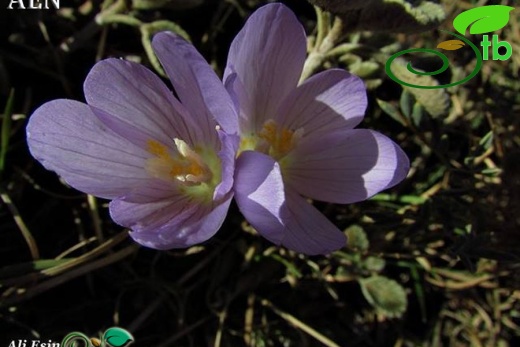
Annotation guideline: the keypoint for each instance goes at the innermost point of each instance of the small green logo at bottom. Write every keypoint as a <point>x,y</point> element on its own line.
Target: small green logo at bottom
<point>113,337</point>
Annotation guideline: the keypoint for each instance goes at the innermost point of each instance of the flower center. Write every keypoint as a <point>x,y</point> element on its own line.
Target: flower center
<point>272,139</point>
<point>196,171</point>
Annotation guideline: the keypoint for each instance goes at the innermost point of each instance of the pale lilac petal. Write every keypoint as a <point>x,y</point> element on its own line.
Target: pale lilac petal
<point>280,214</point>
<point>259,193</point>
<point>66,137</point>
<point>307,230</point>
<point>268,56</point>
<point>198,87</point>
<point>169,224</point>
<point>134,95</point>
<point>151,216</point>
<point>227,154</point>
<point>331,100</point>
<point>155,189</point>
<point>138,136</point>
<point>241,99</point>
<point>345,167</point>
<point>231,89</point>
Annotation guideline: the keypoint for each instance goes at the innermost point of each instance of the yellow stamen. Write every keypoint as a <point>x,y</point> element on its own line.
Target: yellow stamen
<point>156,148</point>
<point>277,141</point>
<point>185,166</point>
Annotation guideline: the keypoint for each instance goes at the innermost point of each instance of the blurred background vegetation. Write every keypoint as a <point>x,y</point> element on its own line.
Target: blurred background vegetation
<point>432,262</point>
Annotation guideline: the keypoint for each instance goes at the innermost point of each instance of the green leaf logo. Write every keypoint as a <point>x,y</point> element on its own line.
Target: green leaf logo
<point>72,339</point>
<point>482,19</point>
<point>117,337</point>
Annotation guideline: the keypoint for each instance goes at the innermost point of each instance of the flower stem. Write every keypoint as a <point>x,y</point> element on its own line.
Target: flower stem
<point>29,239</point>
<point>324,43</point>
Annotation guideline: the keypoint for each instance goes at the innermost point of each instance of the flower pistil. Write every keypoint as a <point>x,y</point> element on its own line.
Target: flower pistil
<point>272,139</point>
<point>197,170</point>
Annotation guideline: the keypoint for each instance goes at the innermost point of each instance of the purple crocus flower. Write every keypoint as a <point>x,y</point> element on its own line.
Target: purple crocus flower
<point>164,162</point>
<point>298,141</point>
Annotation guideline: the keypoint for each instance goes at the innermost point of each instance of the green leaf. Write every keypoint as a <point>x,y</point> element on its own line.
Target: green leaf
<point>165,4</point>
<point>373,83</point>
<point>357,238</point>
<point>435,101</point>
<point>406,103</point>
<point>117,337</point>
<point>374,264</point>
<point>492,172</point>
<point>385,15</point>
<point>291,268</point>
<point>363,69</point>
<point>483,19</point>
<point>392,111</point>
<point>36,265</point>
<point>487,140</point>
<point>403,199</point>
<point>385,295</point>
<point>417,114</point>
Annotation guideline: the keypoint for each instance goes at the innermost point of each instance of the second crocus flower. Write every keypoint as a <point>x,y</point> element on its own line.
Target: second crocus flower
<point>299,141</point>
<point>167,164</point>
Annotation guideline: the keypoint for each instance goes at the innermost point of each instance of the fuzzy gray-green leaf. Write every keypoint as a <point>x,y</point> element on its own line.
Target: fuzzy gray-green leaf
<point>406,103</point>
<point>385,15</point>
<point>392,111</point>
<point>363,69</point>
<point>374,264</point>
<point>417,114</point>
<point>357,238</point>
<point>435,101</point>
<point>386,295</point>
